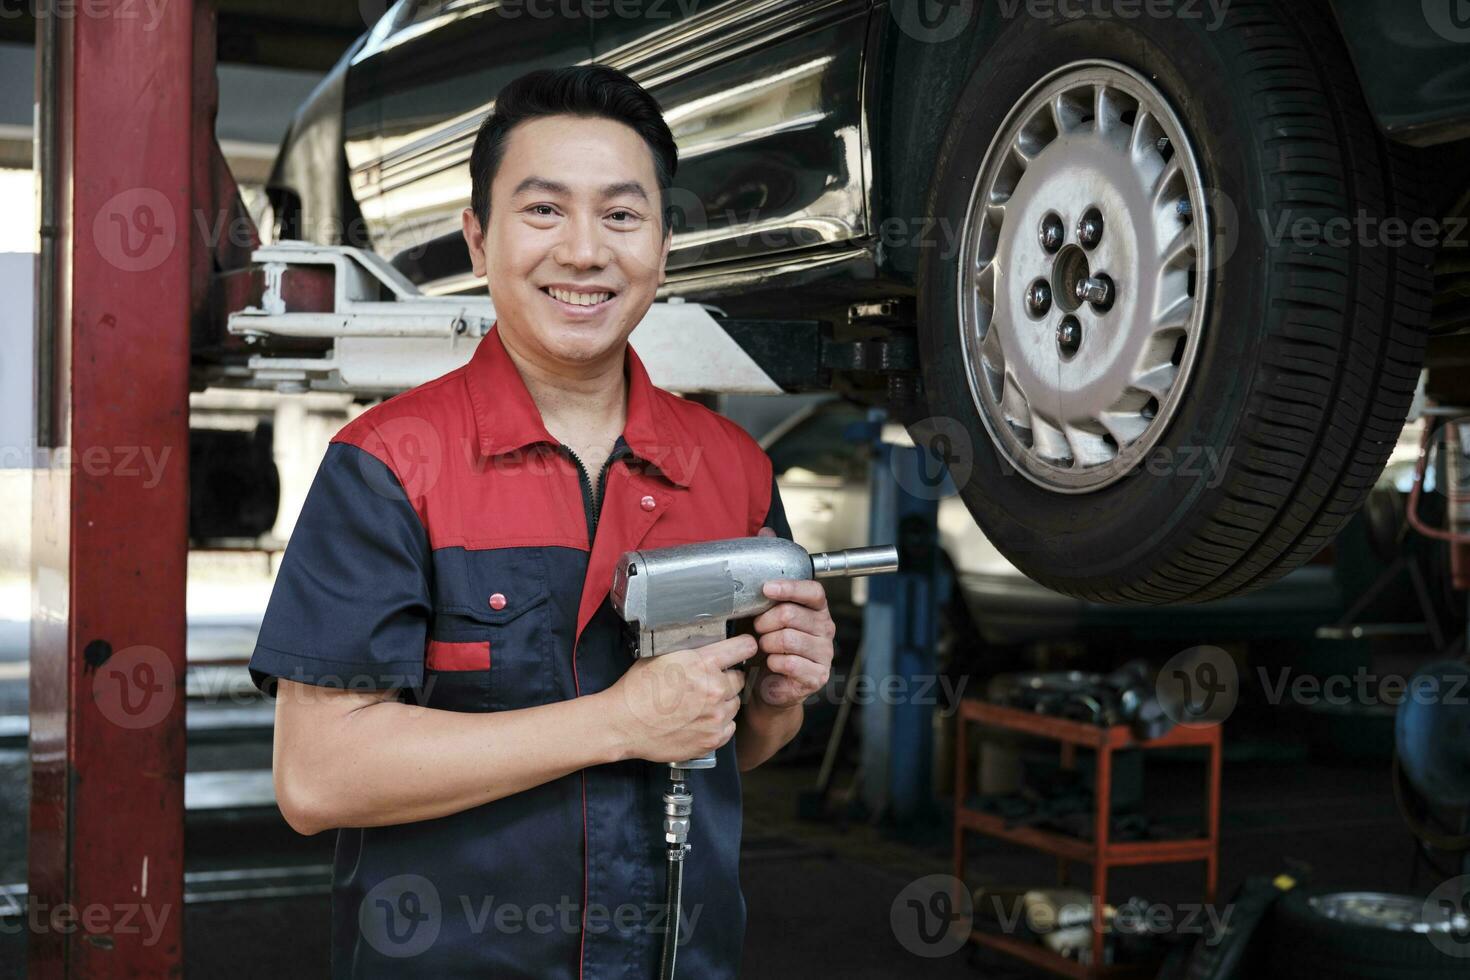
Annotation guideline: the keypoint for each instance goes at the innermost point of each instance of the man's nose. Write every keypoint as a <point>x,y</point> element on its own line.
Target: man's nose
<point>583,245</point>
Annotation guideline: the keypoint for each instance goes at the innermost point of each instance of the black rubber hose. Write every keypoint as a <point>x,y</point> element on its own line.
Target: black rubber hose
<point>675,895</point>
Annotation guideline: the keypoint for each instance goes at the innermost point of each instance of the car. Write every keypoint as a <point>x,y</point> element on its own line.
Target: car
<point>1157,281</point>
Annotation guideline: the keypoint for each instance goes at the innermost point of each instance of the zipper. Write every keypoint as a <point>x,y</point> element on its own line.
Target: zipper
<point>592,502</point>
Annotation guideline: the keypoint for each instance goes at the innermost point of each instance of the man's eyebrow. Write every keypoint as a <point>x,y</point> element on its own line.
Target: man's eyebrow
<point>557,187</point>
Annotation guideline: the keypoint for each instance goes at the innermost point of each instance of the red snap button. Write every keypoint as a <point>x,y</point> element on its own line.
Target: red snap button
<point>648,503</point>
<point>497,601</point>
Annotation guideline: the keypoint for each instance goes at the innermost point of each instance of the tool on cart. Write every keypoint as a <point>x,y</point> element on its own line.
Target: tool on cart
<point>685,596</point>
<point>1127,696</point>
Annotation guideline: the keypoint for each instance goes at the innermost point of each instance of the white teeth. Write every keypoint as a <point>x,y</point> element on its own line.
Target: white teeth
<point>578,299</point>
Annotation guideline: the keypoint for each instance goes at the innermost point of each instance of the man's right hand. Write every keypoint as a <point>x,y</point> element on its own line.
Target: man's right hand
<point>681,705</point>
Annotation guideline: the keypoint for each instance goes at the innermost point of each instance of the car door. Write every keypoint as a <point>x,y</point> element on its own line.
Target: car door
<point>436,75</point>
<point>764,100</point>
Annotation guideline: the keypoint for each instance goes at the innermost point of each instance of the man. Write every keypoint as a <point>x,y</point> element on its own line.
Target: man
<point>454,692</point>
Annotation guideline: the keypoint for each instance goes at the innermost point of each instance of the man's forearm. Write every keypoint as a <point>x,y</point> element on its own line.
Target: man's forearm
<point>386,762</point>
<point>761,730</point>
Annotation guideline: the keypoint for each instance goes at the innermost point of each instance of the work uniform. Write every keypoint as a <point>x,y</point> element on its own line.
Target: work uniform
<point>452,548</point>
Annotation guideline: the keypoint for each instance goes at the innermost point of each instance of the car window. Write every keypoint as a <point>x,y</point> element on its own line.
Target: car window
<point>816,443</point>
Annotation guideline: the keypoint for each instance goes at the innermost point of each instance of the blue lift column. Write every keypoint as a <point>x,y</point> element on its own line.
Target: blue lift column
<point>901,621</point>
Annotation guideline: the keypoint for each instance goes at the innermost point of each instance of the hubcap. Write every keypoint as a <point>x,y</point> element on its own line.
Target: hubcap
<point>1089,194</point>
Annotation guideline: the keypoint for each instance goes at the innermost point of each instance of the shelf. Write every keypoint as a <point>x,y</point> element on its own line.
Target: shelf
<point>1080,733</point>
<point>1100,852</point>
<point>1086,851</point>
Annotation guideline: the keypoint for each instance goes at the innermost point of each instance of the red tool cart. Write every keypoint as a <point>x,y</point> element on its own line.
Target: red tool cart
<point>1100,852</point>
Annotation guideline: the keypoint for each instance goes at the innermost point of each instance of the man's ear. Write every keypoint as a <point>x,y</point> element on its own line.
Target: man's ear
<point>474,239</point>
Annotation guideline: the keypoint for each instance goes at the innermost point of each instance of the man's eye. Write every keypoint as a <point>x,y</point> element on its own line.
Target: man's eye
<point>630,215</point>
<point>537,208</point>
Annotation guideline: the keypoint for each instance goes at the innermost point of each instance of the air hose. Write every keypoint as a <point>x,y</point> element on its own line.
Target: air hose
<point>678,802</point>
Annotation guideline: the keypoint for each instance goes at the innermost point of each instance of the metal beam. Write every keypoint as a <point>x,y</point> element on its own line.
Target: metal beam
<point>109,555</point>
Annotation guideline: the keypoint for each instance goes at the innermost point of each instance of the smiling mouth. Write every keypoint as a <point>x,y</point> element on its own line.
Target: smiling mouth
<point>582,307</point>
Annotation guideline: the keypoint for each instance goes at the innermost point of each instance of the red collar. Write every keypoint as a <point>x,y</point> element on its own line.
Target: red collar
<point>507,419</point>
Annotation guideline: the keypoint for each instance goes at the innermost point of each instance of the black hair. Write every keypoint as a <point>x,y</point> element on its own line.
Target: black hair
<point>578,90</point>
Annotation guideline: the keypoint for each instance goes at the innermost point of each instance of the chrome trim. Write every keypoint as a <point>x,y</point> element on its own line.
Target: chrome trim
<point>656,59</point>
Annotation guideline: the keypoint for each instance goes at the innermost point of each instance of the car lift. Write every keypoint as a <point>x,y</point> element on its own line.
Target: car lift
<point>135,281</point>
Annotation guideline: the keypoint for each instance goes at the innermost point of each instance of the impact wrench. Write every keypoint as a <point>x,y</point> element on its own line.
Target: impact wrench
<point>683,597</point>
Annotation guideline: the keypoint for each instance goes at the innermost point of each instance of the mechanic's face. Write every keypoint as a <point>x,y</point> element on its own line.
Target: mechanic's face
<point>573,205</point>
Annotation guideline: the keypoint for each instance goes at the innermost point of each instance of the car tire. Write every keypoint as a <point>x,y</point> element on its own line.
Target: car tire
<point>1305,944</point>
<point>1308,345</point>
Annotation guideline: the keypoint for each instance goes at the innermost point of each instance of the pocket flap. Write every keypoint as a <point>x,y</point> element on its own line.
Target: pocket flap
<point>472,584</point>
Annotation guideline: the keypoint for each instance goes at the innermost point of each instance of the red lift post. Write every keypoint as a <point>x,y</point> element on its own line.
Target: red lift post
<point>107,741</point>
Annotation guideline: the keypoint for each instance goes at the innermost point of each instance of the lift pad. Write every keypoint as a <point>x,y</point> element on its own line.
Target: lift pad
<point>386,336</point>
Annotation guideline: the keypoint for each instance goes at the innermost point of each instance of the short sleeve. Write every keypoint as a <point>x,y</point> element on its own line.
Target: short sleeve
<point>776,514</point>
<point>351,603</point>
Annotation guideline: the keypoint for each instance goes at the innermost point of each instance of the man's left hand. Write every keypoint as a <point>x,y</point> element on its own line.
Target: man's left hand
<point>796,636</point>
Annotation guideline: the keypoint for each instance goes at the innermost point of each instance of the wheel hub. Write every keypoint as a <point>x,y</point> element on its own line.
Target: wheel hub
<point>1081,308</point>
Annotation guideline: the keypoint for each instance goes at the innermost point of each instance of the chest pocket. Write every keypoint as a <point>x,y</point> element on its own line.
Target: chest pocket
<point>490,646</point>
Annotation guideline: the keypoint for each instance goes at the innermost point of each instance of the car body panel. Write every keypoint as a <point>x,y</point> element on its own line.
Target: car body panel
<point>777,104</point>
<point>764,100</point>
<point>1413,59</point>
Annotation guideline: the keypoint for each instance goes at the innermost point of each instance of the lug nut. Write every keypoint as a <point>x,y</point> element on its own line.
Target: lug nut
<point>1053,233</point>
<point>1090,230</point>
<point>1097,290</point>
<point>1069,336</point>
<point>1038,298</point>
